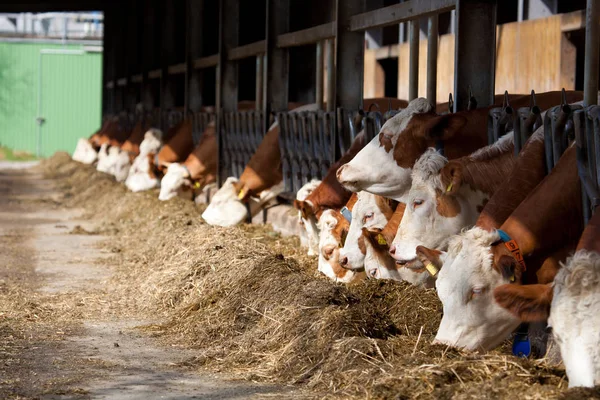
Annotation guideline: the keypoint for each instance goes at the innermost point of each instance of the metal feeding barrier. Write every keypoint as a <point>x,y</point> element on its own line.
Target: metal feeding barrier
<point>587,137</point>
<point>241,134</point>
<point>525,122</point>
<point>500,120</point>
<point>200,121</point>
<point>558,129</point>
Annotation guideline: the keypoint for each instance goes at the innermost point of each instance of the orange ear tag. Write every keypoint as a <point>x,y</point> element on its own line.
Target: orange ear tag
<point>432,269</point>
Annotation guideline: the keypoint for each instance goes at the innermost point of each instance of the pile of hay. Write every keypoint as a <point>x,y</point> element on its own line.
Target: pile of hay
<point>251,302</point>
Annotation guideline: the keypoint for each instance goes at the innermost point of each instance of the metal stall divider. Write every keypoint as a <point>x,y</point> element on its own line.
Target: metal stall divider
<point>499,120</point>
<point>526,121</point>
<point>200,121</point>
<point>587,137</point>
<point>558,126</point>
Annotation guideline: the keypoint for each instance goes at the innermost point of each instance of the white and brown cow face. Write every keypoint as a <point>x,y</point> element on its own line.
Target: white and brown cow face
<point>370,211</point>
<point>465,284</point>
<point>121,166</point>
<point>384,165</point>
<point>175,180</point>
<point>140,175</point>
<point>333,231</point>
<point>85,152</point>
<point>438,207</point>
<point>308,220</point>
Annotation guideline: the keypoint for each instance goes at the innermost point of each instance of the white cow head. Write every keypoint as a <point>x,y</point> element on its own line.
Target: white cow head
<point>84,152</point>
<point>438,206</point>
<point>175,179</point>
<point>309,222</point>
<point>103,159</point>
<point>369,211</point>
<point>140,176</point>
<point>465,285</point>
<point>120,165</point>
<point>383,166</point>
<point>333,230</point>
<point>572,304</point>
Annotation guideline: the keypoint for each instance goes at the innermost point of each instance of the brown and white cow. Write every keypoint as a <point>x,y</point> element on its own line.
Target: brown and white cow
<point>478,261</point>
<point>384,165</point>
<point>149,165</point>
<point>448,196</point>
<point>570,304</point>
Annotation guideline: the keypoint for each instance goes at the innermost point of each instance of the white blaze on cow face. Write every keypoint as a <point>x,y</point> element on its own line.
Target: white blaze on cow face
<point>374,168</point>
<point>84,152</point>
<point>365,214</point>
<point>176,177</point>
<point>575,319</point>
<point>309,223</point>
<point>329,249</point>
<point>139,177</point>
<point>465,284</point>
<point>433,214</point>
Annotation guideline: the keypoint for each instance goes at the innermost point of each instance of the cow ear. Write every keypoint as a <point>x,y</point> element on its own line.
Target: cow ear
<point>444,127</point>
<point>432,259</point>
<point>530,303</point>
<point>376,238</point>
<point>304,208</point>
<point>451,177</point>
<point>507,266</point>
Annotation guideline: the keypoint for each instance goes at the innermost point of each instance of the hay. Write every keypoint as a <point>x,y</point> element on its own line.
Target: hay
<point>249,301</point>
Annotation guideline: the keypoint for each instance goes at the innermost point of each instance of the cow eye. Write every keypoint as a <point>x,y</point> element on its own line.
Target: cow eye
<point>476,292</point>
<point>417,203</point>
<point>367,217</point>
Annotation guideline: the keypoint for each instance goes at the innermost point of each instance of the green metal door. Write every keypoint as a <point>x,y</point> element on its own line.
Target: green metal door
<point>69,98</point>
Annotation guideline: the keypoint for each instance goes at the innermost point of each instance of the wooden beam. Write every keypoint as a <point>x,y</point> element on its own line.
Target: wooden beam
<point>572,21</point>
<point>397,13</point>
<point>247,51</point>
<point>307,36</point>
<point>206,62</point>
<point>277,59</point>
<point>389,51</point>
<point>122,82</point>
<point>155,74</point>
<point>137,78</point>
<point>177,69</point>
<point>110,85</point>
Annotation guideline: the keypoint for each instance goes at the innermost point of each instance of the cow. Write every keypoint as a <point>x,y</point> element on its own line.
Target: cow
<point>448,196</point>
<point>333,227</point>
<point>149,165</point>
<point>309,224</point>
<point>259,184</point>
<point>478,260</point>
<point>570,304</point>
<point>369,211</point>
<point>198,169</point>
<point>383,166</point>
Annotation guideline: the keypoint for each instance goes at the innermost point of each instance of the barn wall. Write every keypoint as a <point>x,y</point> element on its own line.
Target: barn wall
<point>71,96</point>
<point>531,54</point>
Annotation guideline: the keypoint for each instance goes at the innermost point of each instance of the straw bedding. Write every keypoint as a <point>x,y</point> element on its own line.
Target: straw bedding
<point>250,302</point>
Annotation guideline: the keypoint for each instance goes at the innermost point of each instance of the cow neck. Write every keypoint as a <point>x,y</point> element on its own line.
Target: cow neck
<point>529,170</point>
<point>590,239</point>
<point>330,193</point>
<point>264,168</point>
<point>179,146</point>
<point>488,168</point>
<point>137,134</point>
<point>552,214</point>
<point>202,161</point>
<point>390,229</point>
<point>472,137</point>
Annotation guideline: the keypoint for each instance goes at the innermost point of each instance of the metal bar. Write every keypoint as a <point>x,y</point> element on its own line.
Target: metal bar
<point>194,49</point>
<point>307,36</point>
<point>277,59</point>
<point>432,53</point>
<point>320,75</point>
<point>398,13</point>
<point>206,62</point>
<point>413,67</point>
<point>247,50</point>
<point>592,48</point>
<point>330,55</point>
<point>475,54</point>
<point>177,69</point>
<point>259,82</point>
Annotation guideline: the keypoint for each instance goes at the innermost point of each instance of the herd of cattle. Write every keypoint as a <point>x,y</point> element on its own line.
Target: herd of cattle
<point>500,238</point>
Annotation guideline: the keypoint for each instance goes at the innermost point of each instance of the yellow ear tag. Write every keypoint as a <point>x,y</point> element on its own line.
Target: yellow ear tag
<point>196,185</point>
<point>449,188</point>
<point>381,240</point>
<point>432,269</point>
<point>241,194</point>
<point>512,278</point>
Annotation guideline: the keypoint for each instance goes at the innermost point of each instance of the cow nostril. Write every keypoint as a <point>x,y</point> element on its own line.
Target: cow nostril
<point>392,250</point>
<point>344,261</point>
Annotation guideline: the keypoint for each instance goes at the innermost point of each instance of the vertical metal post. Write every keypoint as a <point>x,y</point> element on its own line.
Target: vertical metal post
<point>349,56</point>
<point>264,81</point>
<point>413,67</point>
<point>592,47</point>
<point>319,75</point>
<point>167,89</point>
<point>475,52</point>
<point>148,51</point>
<point>277,60</point>
<point>195,15</point>
<point>259,82</point>
<point>432,53</point>
<point>330,55</point>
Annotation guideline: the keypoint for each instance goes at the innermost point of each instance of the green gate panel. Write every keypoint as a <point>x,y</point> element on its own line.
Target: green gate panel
<point>70,89</point>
